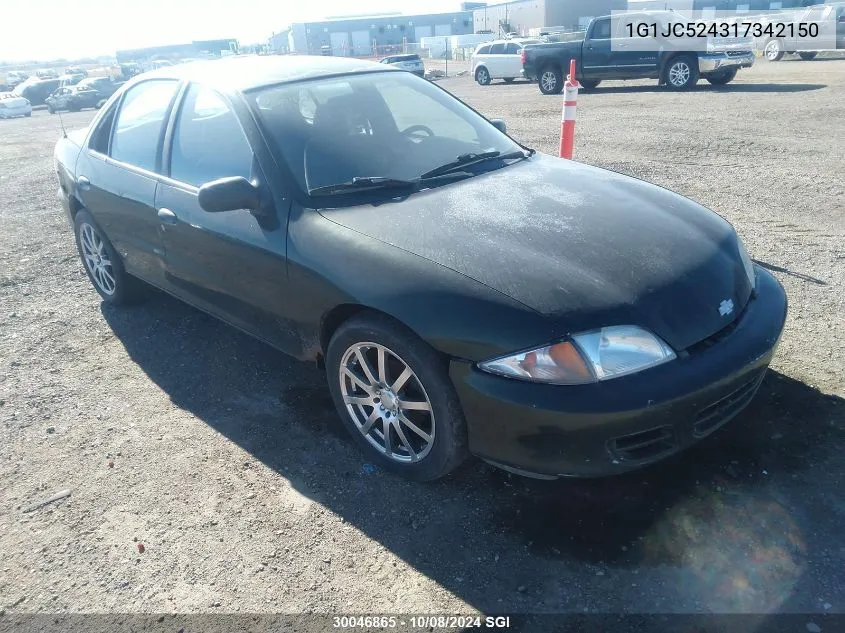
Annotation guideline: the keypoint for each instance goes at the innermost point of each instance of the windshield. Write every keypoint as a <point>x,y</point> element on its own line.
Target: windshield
<point>391,125</point>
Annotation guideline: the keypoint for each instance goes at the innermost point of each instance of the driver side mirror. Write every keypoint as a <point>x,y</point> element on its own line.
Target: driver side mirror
<point>500,125</point>
<point>229,194</point>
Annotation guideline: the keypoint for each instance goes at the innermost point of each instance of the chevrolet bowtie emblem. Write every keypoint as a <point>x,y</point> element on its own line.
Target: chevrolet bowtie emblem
<point>726,307</point>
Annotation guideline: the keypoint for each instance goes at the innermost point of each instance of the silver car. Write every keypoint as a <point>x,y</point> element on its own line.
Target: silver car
<point>410,62</point>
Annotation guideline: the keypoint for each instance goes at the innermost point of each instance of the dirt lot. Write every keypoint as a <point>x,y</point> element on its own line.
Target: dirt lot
<point>230,466</point>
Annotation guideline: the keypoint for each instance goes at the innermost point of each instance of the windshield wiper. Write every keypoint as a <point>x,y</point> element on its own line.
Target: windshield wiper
<point>360,183</point>
<point>466,160</point>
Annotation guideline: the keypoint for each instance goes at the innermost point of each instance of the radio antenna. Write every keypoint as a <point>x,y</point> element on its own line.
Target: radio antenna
<point>62,123</point>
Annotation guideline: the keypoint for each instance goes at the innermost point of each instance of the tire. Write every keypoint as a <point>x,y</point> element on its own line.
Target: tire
<point>550,81</point>
<point>681,73</point>
<point>773,50</point>
<point>50,109</point>
<point>725,78</point>
<point>590,84</point>
<point>28,114</point>
<point>808,55</point>
<point>509,80</point>
<point>428,385</point>
<point>482,76</point>
<point>122,289</point>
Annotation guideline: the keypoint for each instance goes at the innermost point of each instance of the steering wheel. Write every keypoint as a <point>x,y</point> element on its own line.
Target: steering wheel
<point>415,129</point>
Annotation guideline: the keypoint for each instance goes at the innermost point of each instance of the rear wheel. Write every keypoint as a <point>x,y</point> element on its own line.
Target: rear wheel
<point>773,50</point>
<point>551,81</point>
<point>395,398</point>
<point>590,84</point>
<point>102,263</point>
<point>724,78</point>
<point>682,72</point>
<point>807,55</point>
<point>50,109</point>
<point>482,76</point>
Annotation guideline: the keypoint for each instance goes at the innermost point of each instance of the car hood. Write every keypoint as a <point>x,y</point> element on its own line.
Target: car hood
<point>583,246</point>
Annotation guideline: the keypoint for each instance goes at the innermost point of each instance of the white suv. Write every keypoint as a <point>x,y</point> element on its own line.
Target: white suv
<point>501,59</point>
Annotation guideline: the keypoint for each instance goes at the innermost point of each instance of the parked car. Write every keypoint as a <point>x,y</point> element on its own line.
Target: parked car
<point>602,55</point>
<point>47,73</point>
<point>103,86</point>
<point>349,213</point>
<point>501,59</point>
<point>69,80</point>
<point>73,99</point>
<point>76,70</point>
<point>410,62</point>
<point>12,105</point>
<point>12,79</point>
<point>830,21</point>
<point>36,90</point>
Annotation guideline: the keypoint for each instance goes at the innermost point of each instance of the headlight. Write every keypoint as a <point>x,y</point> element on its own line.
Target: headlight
<point>589,357</point>
<point>746,262</point>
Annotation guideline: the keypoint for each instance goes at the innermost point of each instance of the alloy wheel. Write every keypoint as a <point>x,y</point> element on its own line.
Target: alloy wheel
<point>679,74</point>
<point>773,51</point>
<point>97,259</point>
<point>483,76</point>
<point>387,402</point>
<point>549,81</point>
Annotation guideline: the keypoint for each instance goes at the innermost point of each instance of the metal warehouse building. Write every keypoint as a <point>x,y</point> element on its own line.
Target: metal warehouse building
<point>708,6</point>
<point>178,51</point>
<point>368,35</point>
<point>522,16</point>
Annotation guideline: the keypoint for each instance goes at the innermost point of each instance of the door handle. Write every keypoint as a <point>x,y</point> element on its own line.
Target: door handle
<point>167,216</point>
<point>84,183</point>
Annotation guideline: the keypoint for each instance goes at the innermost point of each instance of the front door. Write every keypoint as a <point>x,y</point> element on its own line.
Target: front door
<point>596,52</point>
<point>232,264</point>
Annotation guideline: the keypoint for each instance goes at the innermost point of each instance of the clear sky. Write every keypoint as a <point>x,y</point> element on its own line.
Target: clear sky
<point>48,29</point>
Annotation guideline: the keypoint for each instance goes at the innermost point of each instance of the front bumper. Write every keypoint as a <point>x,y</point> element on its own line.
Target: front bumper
<point>714,62</point>
<point>622,424</point>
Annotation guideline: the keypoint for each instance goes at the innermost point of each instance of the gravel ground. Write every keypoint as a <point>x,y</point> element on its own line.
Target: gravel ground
<point>225,459</point>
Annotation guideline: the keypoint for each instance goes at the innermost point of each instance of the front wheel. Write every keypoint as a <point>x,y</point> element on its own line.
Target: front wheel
<point>807,55</point>
<point>721,80</point>
<point>102,263</point>
<point>395,398</point>
<point>551,81</point>
<point>774,50</point>
<point>482,76</point>
<point>682,73</point>
<point>590,84</point>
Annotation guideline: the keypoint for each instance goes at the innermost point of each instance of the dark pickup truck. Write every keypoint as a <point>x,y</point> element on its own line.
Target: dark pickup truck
<point>607,52</point>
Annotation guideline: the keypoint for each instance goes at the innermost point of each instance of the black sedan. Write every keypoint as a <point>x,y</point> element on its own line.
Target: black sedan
<point>464,293</point>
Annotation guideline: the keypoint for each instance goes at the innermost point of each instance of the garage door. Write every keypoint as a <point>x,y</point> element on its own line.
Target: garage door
<point>443,29</point>
<point>421,32</point>
<point>361,44</point>
<point>340,44</point>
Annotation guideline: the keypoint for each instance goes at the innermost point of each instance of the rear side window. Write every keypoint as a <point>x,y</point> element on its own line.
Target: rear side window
<point>208,141</point>
<point>484,50</point>
<point>140,122</point>
<point>513,49</point>
<point>497,49</point>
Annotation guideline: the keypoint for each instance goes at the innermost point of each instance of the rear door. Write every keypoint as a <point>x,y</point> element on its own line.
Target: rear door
<point>118,172</point>
<point>596,53</point>
<point>231,264</point>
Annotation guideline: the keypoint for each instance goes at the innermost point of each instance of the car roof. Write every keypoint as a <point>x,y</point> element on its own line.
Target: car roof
<point>242,73</point>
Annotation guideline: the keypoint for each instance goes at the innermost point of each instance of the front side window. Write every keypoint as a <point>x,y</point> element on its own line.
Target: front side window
<point>389,125</point>
<point>140,122</point>
<point>601,30</point>
<point>208,141</point>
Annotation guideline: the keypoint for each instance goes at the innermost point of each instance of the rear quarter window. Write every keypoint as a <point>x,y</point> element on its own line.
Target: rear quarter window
<point>484,50</point>
<point>140,121</point>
